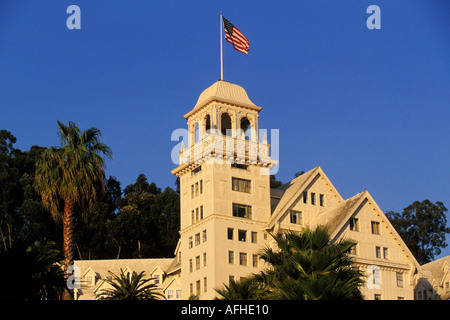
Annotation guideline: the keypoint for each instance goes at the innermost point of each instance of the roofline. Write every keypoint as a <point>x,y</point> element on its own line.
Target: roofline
<point>217,99</point>
<point>365,195</point>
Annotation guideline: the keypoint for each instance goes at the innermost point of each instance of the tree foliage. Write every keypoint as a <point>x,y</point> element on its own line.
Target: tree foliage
<point>422,226</point>
<point>130,286</point>
<point>305,266</point>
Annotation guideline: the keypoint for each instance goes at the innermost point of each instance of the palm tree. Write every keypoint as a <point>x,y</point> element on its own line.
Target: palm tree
<point>130,286</point>
<point>70,177</point>
<point>309,266</point>
<point>246,289</point>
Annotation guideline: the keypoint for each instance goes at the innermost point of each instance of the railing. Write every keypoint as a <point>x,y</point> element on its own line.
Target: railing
<point>232,149</point>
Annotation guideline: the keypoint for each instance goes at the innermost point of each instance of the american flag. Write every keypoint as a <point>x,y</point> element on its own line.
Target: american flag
<point>235,37</point>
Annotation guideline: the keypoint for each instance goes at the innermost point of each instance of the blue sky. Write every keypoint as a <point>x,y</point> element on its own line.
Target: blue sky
<point>371,107</point>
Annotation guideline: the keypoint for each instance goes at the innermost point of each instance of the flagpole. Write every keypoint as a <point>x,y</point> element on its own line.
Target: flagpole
<point>221,48</point>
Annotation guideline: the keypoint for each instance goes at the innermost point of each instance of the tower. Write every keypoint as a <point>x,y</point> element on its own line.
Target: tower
<point>224,191</point>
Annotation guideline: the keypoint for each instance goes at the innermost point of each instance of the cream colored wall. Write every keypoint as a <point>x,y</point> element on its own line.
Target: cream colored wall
<point>217,199</point>
<point>396,261</point>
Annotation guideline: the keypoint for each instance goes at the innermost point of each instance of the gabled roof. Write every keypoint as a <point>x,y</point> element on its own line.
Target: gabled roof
<point>292,191</point>
<point>437,268</point>
<point>336,218</point>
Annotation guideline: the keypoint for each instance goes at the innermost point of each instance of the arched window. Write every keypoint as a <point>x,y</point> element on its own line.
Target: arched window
<point>245,126</point>
<point>225,123</point>
<point>196,132</point>
<point>207,124</point>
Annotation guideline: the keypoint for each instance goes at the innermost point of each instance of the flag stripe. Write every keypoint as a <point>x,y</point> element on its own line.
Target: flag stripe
<point>234,36</point>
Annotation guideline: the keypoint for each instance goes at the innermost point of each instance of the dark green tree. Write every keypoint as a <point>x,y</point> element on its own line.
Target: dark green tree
<point>130,286</point>
<point>309,266</point>
<point>422,226</point>
<point>152,215</point>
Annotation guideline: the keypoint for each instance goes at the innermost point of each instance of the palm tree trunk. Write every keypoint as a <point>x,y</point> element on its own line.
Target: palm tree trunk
<point>68,239</point>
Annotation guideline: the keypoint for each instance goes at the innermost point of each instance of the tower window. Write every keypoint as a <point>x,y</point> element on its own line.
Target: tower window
<point>242,211</point>
<point>225,124</point>
<point>239,166</point>
<point>230,232</point>
<point>242,235</point>
<point>207,123</point>
<point>231,257</point>
<point>245,127</point>
<point>242,258</point>
<point>241,185</point>
<point>254,237</point>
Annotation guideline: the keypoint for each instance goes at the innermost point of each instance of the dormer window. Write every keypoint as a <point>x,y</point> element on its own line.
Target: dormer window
<point>157,278</point>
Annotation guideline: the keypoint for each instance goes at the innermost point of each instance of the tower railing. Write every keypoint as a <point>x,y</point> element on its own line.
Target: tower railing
<point>233,148</point>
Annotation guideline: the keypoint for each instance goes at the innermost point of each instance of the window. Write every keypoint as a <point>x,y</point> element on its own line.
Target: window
<point>354,224</point>
<point>169,294</point>
<point>197,239</point>
<point>313,198</point>
<point>305,197</point>
<point>89,281</point>
<point>205,284</point>
<point>241,185</point>
<point>255,260</point>
<point>377,296</point>
<point>204,235</point>
<point>447,287</point>
<point>196,189</point>
<point>399,277</point>
<point>231,257</point>
<point>193,217</point>
<point>190,266</point>
<point>204,259</point>
<point>378,252</point>
<point>375,227</point>
<point>239,166</point>
<point>201,186</point>
<point>242,258</point>
<point>201,212</point>
<point>196,170</point>
<point>197,287</point>
<point>230,232</point>
<point>322,200</point>
<point>242,211</point>
<point>197,262</point>
<point>157,278</point>
<point>419,295</point>
<point>242,235</point>
<point>230,278</point>
<point>400,298</point>
<point>376,276</point>
<point>385,253</point>
<point>191,289</point>
<point>353,250</point>
<point>296,217</point>
<point>190,242</point>
<point>178,294</point>
<point>254,237</point>
<point>196,214</point>
<point>192,191</point>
